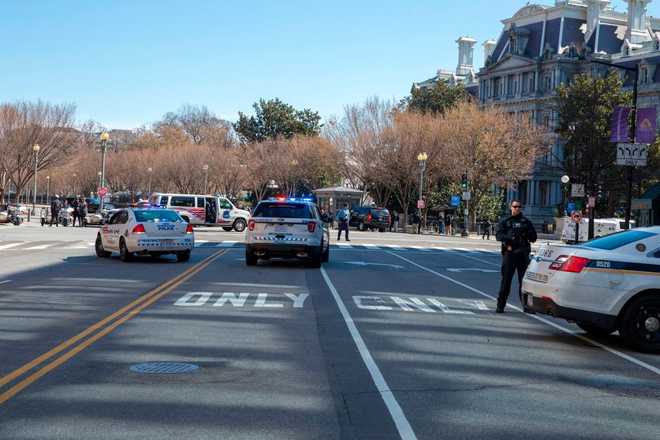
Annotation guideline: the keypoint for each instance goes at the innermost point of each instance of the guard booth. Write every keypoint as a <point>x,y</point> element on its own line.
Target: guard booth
<point>333,199</point>
<point>647,207</point>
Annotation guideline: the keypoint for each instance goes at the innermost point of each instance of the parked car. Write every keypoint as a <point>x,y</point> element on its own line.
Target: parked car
<point>365,217</point>
<point>205,210</point>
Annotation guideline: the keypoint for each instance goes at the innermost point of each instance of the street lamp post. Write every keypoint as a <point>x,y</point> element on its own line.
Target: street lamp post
<point>48,190</point>
<point>36,149</point>
<point>421,160</point>
<point>105,137</point>
<point>565,181</point>
<point>75,177</point>
<point>149,170</point>
<point>206,177</point>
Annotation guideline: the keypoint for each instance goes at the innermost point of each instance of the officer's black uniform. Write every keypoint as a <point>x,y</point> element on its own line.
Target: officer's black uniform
<point>516,233</point>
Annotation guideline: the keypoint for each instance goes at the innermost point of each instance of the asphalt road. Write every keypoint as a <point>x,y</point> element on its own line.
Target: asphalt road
<point>394,338</point>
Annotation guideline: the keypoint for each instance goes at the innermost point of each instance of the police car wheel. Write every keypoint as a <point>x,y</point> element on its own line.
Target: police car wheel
<point>183,256</point>
<point>640,324</point>
<point>124,255</point>
<point>100,251</point>
<point>239,225</point>
<point>594,329</point>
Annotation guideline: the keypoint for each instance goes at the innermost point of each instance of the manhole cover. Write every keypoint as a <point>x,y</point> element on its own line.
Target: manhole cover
<point>164,368</point>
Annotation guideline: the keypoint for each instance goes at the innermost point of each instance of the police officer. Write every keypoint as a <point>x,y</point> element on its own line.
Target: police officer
<point>516,233</point>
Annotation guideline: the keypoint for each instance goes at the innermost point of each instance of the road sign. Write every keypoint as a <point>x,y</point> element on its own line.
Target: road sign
<point>467,196</point>
<point>455,200</point>
<point>103,191</point>
<point>570,207</point>
<point>592,202</point>
<point>577,216</point>
<point>635,155</point>
<point>421,204</point>
<point>577,190</point>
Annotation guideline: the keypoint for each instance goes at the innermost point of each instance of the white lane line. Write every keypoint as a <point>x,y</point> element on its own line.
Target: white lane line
<point>10,245</point>
<point>280,286</point>
<point>345,245</point>
<point>5,281</point>
<point>419,248</point>
<point>460,249</point>
<point>622,355</point>
<point>400,421</point>
<point>371,246</point>
<point>227,244</point>
<point>40,247</point>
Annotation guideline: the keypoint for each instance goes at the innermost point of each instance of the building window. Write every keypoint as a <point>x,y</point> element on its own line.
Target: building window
<point>548,82</point>
<point>522,192</point>
<point>496,87</point>
<point>525,83</point>
<point>544,193</point>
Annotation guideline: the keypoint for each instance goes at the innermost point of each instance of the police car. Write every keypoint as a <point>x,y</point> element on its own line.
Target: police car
<point>288,228</point>
<point>608,284</point>
<point>155,232</point>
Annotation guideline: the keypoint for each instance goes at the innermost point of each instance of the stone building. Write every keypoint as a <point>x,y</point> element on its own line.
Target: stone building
<point>543,46</point>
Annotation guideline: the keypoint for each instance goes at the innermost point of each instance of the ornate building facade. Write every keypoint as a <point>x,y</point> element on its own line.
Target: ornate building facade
<point>543,46</point>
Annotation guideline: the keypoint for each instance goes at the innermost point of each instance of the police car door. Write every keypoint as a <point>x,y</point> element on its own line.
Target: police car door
<point>110,231</point>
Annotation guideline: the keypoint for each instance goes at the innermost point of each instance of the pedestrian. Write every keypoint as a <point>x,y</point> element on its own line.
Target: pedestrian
<point>343,217</point>
<point>392,220</point>
<point>55,207</point>
<point>74,214</point>
<point>82,212</point>
<point>516,233</point>
<point>448,227</point>
<point>44,216</point>
<point>487,226</point>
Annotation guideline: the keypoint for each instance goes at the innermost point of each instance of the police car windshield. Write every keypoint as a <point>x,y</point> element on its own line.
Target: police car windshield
<point>156,216</point>
<point>618,240</point>
<point>283,210</point>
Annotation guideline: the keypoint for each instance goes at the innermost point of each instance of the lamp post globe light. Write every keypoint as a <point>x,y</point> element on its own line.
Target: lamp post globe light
<point>206,177</point>
<point>421,160</point>
<point>104,137</point>
<point>36,149</point>
<point>565,180</point>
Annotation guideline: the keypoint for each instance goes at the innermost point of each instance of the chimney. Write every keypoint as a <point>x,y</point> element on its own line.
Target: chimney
<point>489,48</point>
<point>638,22</point>
<point>465,56</point>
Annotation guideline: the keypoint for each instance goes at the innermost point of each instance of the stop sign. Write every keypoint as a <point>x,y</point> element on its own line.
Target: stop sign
<point>421,204</point>
<point>103,191</point>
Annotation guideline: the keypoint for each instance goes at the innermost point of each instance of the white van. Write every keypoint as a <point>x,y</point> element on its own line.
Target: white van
<point>205,210</point>
<point>602,227</point>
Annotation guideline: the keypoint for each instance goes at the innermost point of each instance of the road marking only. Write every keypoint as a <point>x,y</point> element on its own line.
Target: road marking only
<point>400,421</point>
<point>617,353</point>
<point>102,329</point>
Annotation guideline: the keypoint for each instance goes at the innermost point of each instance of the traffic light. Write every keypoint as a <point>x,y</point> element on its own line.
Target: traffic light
<point>464,182</point>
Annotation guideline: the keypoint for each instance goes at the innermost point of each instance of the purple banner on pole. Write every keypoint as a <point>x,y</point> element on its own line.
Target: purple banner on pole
<point>646,125</point>
<point>621,124</point>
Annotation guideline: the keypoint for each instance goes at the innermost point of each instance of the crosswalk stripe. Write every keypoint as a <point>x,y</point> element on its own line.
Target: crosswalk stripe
<point>370,246</point>
<point>419,248</point>
<point>39,248</point>
<point>345,245</point>
<point>10,245</point>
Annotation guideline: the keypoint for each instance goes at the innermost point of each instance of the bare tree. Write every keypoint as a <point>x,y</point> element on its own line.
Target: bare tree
<point>198,122</point>
<point>26,124</point>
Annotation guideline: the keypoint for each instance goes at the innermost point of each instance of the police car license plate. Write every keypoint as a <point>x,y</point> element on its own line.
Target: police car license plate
<point>166,242</point>
<point>539,277</point>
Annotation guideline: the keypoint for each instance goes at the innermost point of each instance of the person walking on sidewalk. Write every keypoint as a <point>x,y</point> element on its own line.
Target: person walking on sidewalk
<point>82,212</point>
<point>55,207</point>
<point>343,217</point>
<point>487,226</point>
<point>516,233</point>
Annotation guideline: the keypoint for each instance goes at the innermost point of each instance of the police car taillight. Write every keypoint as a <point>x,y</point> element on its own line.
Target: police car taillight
<point>311,227</point>
<point>573,264</point>
<point>189,229</point>
<point>251,224</point>
<point>138,229</point>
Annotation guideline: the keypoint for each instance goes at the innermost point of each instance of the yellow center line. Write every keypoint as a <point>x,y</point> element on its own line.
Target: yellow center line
<point>133,308</point>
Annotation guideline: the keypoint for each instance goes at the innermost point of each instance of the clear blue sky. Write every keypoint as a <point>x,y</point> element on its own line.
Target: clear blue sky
<point>125,63</point>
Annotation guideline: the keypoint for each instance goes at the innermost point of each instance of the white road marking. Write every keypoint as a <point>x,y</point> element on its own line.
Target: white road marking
<point>274,286</point>
<point>39,248</point>
<point>226,244</point>
<point>364,264</point>
<point>261,302</point>
<point>393,246</point>
<point>185,300</point>
<point>420,248</point>
<point>471,270</point>
<point>400,421</point>
<point>460,249</point>
<point>236,301</point>
<point>370,246</point>
<point>617,353</point>
<point>10,245</point>
<point>5,281</point>
<point>344,245</point>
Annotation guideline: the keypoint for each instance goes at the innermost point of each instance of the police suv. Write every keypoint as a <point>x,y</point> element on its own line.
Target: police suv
<point>145,231</point>
<point>287,227</point>
<point>608,284</point>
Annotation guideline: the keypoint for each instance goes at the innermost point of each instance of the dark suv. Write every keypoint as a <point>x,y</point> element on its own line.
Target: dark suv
<point>364,217</point>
